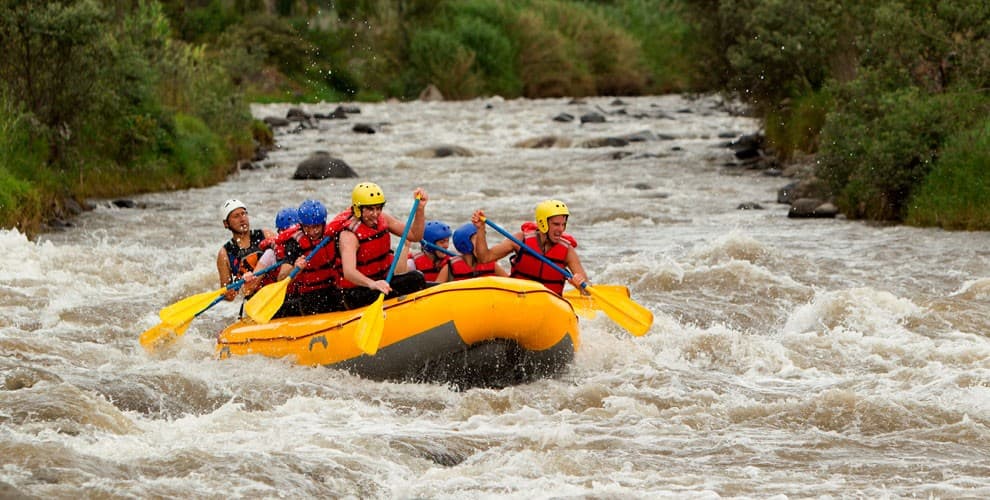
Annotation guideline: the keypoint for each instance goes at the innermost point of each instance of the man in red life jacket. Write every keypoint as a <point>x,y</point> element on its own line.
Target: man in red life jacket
<point>239,256</point>
<point>431,257</point>
<point>365,248</point>
<point>548,240</point>
<point>466,265</point>
<point>313,290</point>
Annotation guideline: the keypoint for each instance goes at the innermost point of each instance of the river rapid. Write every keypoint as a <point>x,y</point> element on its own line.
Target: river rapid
<point>789,358</point>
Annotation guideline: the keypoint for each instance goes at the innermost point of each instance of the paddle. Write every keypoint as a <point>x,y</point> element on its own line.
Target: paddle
<point>267,301</point>
<point>177,317</point>
<point>437,248</point>
<point>584,304</point>
<point>189,307</point>
<point>635,318</point>
<point>163,334</point>
<point>372,323</point>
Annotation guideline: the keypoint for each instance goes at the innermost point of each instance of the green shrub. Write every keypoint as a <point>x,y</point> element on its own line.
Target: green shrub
<point>494,55</point>
<point>22,176</point>
<point>956,194</point>
<point>881,145</point>
<point>197,151</point>
<point>439,57</point>
<point>546,67</point>
<point>610,56</point>
<point>796,124</point>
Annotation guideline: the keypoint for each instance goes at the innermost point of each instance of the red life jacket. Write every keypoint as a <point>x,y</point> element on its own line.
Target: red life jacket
<point>278,242</point>
<point>526,266</point>
<point>374,253</point>
<point>321,271</point>
<point>428,265</point>
<point>460,270</point>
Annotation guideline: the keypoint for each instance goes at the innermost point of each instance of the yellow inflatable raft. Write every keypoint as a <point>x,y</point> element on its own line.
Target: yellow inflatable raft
<point>487,332</point>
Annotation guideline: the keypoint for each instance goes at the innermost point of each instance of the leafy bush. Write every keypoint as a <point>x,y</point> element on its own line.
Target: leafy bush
<point>21,152</point>
<point>796,124</point>
<point>881,145</point>
<point>197,150</point>
<point>55,58</point>
<point>662,30</point>
<point>494,55</point>
<point>610,56</point>
<point>440,58</point>
<point>955,194</point>
<point>546,67</point>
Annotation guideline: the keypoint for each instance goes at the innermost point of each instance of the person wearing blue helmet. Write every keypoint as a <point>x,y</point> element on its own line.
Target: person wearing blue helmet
<point>239,256</point>
<point>286,223</point>
<point>466,265</point>
<point>286,218</point>
<point>433,254</point>
<point>313,290</point>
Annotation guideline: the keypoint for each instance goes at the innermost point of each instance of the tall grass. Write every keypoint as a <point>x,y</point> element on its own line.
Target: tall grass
<point>21,158</point>
<point>956,194</point>
<point>796,125</point>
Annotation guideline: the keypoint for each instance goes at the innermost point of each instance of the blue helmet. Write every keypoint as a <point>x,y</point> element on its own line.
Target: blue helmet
<point>435,231</point>
<point>286,217</point>
<point>462,238</point>
<point>312,212</point>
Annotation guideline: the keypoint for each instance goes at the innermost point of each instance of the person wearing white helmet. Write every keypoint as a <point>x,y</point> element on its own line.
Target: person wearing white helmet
<point>547,238</point>
<point>239,255</point>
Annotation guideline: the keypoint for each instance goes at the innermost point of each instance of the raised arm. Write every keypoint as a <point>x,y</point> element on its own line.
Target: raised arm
<point>482,251</point>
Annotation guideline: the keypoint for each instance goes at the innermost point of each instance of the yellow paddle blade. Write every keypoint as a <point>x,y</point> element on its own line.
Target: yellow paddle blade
<point>186,309</point>
<point>635,318</point>
<point>370,327</point>
<point>584,305</point>
<point>162,334</point>
<point>267,301</point>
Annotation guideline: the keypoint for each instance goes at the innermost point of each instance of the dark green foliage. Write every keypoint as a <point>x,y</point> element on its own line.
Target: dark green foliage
<point>98,89</point>
<point>881,149</point>
<point>955,193</point>
<point>55,55</point>
<point>664,35</point>
<point>494,55</point>
<point>440,58</point>
<point>891,81</point>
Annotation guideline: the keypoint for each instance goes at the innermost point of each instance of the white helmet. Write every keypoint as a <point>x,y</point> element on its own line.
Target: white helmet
<point>229,206</point>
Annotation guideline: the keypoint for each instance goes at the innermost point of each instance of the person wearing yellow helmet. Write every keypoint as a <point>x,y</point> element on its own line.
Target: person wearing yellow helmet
<point>239,256</point>
<point>365,248</point>
<point>548,239</point>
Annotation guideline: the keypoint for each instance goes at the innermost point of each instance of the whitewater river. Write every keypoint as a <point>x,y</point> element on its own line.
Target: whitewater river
<point>789,358</point>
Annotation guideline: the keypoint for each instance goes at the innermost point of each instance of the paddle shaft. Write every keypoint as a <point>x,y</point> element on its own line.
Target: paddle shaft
<point>567,274</point>
<point>402,240</point>
<point>437,248</point>
<point>239,282</point>
<point>296,269</point>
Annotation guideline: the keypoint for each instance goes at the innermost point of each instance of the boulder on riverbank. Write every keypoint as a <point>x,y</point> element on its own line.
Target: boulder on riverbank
<point>321,165</point>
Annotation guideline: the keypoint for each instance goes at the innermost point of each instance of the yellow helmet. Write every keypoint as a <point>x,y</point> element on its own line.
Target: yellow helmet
<point>547,209</point>
<point>366,193</point>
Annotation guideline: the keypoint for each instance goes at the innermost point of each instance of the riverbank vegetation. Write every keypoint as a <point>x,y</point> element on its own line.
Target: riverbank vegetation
<point>891,95</point>
<point>101,98</point>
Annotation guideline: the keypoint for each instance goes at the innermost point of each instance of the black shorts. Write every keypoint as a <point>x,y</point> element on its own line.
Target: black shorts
<point>402,284</point>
